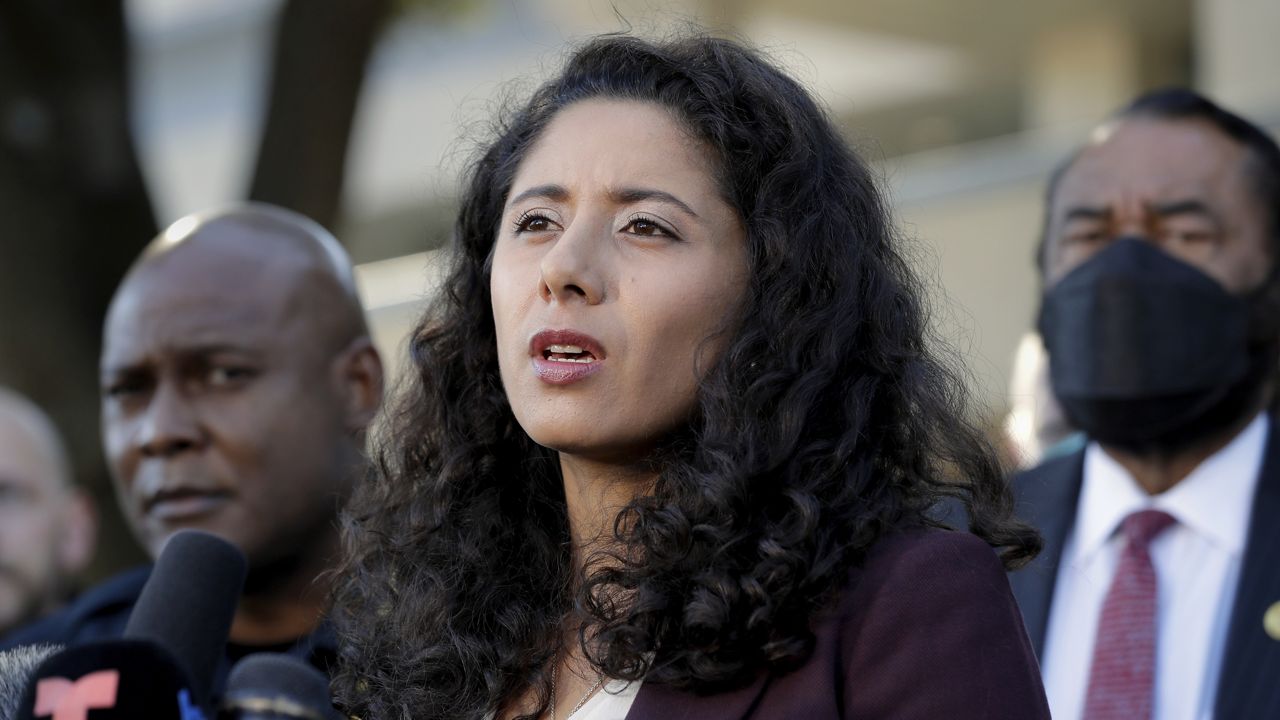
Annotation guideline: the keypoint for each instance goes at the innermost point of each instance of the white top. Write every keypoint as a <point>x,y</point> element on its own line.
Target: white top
<point>1197,563</point>
<point>612,702</point>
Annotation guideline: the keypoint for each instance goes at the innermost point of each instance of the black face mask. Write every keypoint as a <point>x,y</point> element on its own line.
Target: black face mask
<point>1148,352</point>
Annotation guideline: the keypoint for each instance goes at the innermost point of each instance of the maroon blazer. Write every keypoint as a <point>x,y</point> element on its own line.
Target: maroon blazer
<point>926,629</point>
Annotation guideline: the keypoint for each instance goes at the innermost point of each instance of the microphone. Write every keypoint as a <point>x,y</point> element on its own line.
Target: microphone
<point>17,665</point>
<point>272,686</point>
<point>162,669</point>
<point>189,602</point>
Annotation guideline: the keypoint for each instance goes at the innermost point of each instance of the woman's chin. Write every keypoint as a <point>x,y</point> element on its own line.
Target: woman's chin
<point>585,444</point>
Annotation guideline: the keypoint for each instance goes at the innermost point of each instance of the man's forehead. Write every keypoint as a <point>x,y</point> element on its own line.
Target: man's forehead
<point>191,323</point>
<point>1153,159</point>
<point>200,299</point>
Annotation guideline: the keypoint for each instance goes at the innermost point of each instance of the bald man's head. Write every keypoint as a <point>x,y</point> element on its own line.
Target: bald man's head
<point>46,525</point>
<point>237,378</point>
<point>292,252</point>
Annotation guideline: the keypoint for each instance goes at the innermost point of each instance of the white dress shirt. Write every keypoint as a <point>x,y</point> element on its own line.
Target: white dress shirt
<point>1197,563</point>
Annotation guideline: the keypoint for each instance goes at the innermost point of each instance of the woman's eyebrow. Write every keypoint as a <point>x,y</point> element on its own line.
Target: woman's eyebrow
<point>549,191</point>
<point>622,196</point>
<point>626,195</point>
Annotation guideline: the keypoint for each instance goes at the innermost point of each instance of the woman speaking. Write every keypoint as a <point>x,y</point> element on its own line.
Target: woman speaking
<point>676,435</point>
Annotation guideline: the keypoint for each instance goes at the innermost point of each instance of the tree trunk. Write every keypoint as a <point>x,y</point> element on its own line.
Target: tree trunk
<point>322,48</point>
<point>74,212</point>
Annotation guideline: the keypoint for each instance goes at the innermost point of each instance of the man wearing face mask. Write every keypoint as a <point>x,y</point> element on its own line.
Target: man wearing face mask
<point>1157,594</point>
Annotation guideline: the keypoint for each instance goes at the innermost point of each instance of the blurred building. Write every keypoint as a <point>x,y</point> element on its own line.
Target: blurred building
<point>965,106</point>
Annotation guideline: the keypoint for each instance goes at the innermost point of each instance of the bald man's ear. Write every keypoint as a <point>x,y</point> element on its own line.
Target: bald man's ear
<point>359,379</point>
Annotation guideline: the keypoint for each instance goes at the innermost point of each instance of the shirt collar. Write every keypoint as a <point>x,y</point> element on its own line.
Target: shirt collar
<point>1213,500</point>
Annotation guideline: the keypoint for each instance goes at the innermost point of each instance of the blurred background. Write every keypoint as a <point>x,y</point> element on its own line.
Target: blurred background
<point>119,116</point>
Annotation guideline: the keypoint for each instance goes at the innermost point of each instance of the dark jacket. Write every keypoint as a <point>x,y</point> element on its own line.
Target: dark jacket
<point>928,629</point>
<point>102,612</point>
<point>1249,686</point>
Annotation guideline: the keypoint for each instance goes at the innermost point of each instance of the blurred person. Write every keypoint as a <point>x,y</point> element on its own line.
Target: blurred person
<point>676,433</point>
<point>238,378</point>
<point>1035,428</point>
<point>1157,595</point>
<point>48,526</point>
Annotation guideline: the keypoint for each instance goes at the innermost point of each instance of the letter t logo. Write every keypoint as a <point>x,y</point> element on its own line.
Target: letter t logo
<point>62,699</point>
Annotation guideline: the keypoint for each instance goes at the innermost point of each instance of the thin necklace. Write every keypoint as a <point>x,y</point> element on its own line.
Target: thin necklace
<point>555,669</point>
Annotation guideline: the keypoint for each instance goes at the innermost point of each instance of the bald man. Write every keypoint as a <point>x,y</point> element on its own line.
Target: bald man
<point>47,526</point>
<point>237,380</point>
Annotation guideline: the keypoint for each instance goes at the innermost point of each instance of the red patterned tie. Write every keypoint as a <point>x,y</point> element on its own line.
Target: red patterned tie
<point>1122,676</point>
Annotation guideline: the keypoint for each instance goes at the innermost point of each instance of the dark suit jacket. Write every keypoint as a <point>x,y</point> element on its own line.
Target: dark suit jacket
<point>927,629</point>
<point>1250,683</point>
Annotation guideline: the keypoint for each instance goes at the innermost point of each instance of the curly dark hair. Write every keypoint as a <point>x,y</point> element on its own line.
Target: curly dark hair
<point>827,423</point>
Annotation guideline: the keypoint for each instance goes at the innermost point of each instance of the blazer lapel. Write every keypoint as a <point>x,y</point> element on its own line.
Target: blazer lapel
<point>659,702</point>
<point>1047,498</point>
<point>1249,685</point>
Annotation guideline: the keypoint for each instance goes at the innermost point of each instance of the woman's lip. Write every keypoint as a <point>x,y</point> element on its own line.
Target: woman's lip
<point>563,373</point>
<point>546,338</point>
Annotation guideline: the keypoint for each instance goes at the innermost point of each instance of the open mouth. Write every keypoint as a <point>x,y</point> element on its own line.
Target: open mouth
<point>563,357</point>
<point>568,354</point>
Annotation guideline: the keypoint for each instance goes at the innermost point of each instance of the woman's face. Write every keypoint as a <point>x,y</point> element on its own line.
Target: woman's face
<point>616,274</point>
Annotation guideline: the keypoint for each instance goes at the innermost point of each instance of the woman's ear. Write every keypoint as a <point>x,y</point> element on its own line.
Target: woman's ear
<point>358,377</point>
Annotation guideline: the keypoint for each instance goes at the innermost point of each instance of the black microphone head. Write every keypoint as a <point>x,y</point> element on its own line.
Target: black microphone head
<point>272,685</point>
<point>111,680</point>
<point>17,666</point>
<point>189,601</point>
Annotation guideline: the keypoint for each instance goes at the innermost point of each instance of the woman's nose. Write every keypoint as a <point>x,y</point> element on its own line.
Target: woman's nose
<point>572,269</point>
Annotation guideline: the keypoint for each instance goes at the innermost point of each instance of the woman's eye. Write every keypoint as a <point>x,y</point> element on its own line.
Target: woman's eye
<point>645,227</point>
<point>530,222</point>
